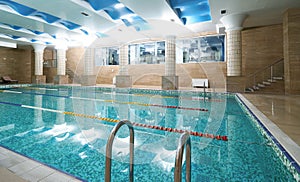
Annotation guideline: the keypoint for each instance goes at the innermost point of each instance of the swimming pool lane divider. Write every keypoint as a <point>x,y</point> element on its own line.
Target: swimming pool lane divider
<point>142,104</point>
<point>144,95</point>
<point>179,97</point>
<point>194,98</point>
<point>115,101</point>
<point>199,134</point>
<point>40,88</point>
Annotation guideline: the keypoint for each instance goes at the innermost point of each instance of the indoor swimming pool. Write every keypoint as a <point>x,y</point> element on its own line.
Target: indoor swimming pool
<point>67,129</point>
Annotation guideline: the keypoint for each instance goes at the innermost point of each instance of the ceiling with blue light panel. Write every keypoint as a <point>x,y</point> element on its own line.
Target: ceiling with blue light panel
<point>191,11</point>
<point>116,21</point>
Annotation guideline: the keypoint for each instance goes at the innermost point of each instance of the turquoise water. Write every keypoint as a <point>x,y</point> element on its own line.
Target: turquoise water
<point>67,129</point>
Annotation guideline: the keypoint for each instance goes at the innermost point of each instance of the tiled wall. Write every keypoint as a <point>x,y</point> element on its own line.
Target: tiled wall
<point>261,47</point>
<point>291,29</point>
<point>234,53</point>
<point>17,63</point>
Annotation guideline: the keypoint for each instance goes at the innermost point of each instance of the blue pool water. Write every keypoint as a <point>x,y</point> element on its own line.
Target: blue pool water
<point>67,129</point>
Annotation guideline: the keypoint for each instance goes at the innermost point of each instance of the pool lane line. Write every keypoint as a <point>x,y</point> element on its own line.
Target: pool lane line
<point>199,134</point>
<point>9,103</point>
<point>115,101</point>
<point>43,109</point>
<point>40,88</point>
<point>30,93</point>
<point>160,96</point>
<point>11,91</point>
<point>142,104</point>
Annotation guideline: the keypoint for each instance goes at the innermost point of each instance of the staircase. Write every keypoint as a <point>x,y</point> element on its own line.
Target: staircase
<point>269,79</point>
<point>73,78</point>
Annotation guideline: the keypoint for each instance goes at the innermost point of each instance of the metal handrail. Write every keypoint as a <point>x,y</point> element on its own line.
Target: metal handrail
<point>264,68</point>
<point>184,140</point>
<point>253,77</point>
<point>109,150</point>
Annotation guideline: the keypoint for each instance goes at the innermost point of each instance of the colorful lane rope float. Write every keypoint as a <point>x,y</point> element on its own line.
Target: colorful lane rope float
<point>157,105</point>
<point>184,98</point>
<point>194,133</point>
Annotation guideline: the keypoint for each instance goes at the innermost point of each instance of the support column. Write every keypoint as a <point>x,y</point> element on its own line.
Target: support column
<point>89,78</point>
<point>123,79</point>
<point>61,77</point>
<point>38,77</point>
<point>170,80</point>
<point>233,27</point>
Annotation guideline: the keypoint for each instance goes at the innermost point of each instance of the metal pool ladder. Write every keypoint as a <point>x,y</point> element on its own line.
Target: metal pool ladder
<point>109,150</point>
<point>184,140</point>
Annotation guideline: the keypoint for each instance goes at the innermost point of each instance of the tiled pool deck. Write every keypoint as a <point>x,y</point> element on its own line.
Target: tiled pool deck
<point>279,112</point>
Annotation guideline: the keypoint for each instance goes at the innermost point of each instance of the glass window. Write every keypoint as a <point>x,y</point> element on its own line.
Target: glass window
<point>113,56</point>
<point>212,48</point>
<point>202,49</point>
<point>107,56</point>
<point>50,58</point>
<point>147,53</point>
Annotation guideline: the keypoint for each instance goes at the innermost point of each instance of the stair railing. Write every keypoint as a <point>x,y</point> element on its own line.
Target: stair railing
<point>184,140</point>
<point>265,73</point>
<point>109,150</point>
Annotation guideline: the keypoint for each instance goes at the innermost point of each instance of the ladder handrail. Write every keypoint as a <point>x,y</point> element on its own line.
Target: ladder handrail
<point>109,150</point>
<point>184,140</point>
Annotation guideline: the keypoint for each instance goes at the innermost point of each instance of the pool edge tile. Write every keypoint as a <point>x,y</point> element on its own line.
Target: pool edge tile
<point>284,140</point>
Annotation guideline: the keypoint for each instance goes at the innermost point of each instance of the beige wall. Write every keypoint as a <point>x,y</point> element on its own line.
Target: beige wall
<point>17,63</point>
<point>291,28</point>
<point>260,48</point>
<point>151,74</point>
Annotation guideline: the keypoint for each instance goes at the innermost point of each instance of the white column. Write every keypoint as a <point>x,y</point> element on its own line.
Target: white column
<point>233,24</point>
<point>170,65</point>
<point>123,60</point>
<point>123,79</point>
<point>39,59</point>
<point>170,80</point>
<point>89,61</point>
<point>61,61</point>
<point>234,53</point>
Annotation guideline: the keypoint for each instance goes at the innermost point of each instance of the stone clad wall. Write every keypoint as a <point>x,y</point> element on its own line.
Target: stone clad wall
<point>291,32</point>
<point>17,63</point>
<point>260,48</point>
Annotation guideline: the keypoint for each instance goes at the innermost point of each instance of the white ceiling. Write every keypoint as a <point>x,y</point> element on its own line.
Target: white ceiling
<point>161,19</point>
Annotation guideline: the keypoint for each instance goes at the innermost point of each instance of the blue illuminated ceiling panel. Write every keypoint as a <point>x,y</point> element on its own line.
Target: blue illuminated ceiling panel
<point>191,11</point>
<point>27,11</point>
<point>118,11</point>
<point>32,13</point>
<point>18,28</point>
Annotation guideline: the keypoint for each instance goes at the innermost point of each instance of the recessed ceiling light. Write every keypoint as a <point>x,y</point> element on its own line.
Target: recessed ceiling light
<point>223,11</point>
<point>84,13</point>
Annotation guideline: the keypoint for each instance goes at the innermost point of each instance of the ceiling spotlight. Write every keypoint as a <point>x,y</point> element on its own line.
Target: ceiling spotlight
<point>172,20</point>
<point>223,11</point>
<point>84,13</point>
